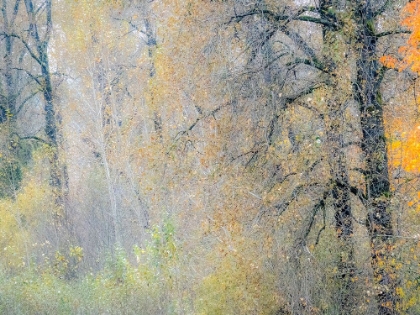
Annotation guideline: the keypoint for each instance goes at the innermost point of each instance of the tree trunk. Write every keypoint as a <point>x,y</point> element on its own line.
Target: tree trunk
<point>379,219</point>
<point>58,177</point>
<point>58,171</point>
<point>339,174</point>
<point>10,87</point>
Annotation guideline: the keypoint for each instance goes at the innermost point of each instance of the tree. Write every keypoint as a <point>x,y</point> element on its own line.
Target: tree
<point>34,47</point>
<point>106,122</point>
<point>351,39</point>
<point>16,90</point>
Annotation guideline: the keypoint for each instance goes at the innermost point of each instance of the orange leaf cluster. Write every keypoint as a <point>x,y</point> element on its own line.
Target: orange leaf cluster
<point>409,52</point>
<point>405,151</point>
<point>411,154</point>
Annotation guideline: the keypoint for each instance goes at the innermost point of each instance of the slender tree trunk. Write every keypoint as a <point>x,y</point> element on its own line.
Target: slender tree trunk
<point>58,177</point>
<point>58,171</point>
<point>379,219</point>
<point>8,100</point>
<point>10,88</point>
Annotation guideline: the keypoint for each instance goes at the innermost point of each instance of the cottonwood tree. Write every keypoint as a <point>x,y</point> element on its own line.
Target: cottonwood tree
<point>334,73</point>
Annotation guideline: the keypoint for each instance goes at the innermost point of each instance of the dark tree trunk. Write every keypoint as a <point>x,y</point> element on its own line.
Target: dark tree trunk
<point>58,170</point>
<point>42,49</point>
<point>58,177</point>
<point>379,219</point>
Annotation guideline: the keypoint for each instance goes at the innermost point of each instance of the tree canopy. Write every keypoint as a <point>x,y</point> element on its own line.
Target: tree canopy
<point>209,157</point>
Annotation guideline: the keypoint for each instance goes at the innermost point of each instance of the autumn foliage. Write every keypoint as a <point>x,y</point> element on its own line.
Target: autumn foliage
<point>210,157</point>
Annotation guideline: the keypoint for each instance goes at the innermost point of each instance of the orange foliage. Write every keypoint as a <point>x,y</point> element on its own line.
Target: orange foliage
<point>411,156</point>
<point>389,61</point>
<point>405,131</point>
<point>410,51</point>
<point>405,149</point>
